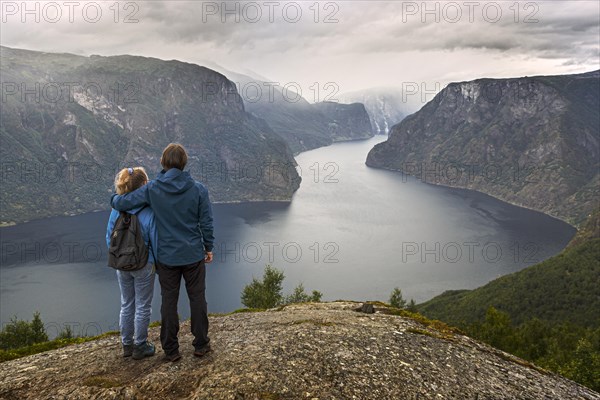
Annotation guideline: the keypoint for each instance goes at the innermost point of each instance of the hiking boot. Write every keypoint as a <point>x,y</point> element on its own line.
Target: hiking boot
<point>143,350</point>
<point>173,357</point>
<point>127,350</point>
<point>202,350</point>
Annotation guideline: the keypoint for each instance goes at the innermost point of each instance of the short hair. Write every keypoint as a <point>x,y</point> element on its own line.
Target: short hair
<point>174,156</point>
<point>130,179</point>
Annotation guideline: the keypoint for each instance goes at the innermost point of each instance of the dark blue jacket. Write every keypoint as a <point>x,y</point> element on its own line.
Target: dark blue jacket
<point>146,217</point>
<point>182,212</point>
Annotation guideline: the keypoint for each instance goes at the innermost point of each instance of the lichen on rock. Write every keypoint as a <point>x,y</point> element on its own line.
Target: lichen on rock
<point>310,350</point>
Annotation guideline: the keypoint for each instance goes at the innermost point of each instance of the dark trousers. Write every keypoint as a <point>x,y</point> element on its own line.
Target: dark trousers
<point>170,281</point>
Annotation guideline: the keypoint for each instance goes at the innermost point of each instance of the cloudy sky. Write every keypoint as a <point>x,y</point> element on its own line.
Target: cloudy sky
<point>354,44</point>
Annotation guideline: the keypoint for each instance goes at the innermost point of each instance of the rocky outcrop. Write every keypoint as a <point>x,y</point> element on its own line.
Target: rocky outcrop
<point>68,123</point>
<point>346,121</point>
<point>530,141</point>
<point>312,351</point>
<point>386,107</point>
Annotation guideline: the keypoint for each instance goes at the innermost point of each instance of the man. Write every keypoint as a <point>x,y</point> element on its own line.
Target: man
<point>185,241</point>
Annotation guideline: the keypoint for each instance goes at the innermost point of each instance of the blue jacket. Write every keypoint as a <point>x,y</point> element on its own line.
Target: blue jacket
<point>146,218</point>
<point>183,215</point>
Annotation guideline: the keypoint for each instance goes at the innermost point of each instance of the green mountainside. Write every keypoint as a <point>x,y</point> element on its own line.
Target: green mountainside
<point>548,313</point>
<point>561,288</point>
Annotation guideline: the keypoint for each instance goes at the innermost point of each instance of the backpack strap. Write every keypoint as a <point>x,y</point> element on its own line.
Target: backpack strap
<point>149,241</point>
<point>125,216</point>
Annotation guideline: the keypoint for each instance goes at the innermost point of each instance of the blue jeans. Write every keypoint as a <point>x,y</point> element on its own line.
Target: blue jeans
<point>137,289</point>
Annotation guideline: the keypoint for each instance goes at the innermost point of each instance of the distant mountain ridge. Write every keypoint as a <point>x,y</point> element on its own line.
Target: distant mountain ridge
<point>304,126</point>
<point>531,141</point>
<point>386,107</point>
<point>70,122</point>
<point>346,121</point>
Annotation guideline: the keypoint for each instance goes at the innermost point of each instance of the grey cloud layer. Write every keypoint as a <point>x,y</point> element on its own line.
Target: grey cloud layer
<point>566,32</point>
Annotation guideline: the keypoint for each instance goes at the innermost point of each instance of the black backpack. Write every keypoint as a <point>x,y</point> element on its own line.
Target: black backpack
<point>127,250</point>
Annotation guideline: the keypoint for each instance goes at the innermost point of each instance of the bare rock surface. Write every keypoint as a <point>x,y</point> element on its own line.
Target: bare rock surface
<point>303,351</point>
<point>538,134</point>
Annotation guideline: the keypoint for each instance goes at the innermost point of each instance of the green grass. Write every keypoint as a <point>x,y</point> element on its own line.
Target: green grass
<point>246,310</point>
<point>238,311</point>
<point>444,329</point>
<point>7,355</point>
<point>425,332</point>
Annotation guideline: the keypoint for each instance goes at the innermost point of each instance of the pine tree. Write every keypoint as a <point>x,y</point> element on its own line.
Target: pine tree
<point>396,299</point>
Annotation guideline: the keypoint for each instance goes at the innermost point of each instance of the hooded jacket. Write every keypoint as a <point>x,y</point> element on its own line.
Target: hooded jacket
<point>182,212</point>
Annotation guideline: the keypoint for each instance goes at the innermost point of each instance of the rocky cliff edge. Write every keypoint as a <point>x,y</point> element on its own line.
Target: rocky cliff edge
<point>301,351</point>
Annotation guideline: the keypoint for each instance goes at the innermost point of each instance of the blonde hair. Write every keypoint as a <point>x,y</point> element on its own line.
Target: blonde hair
<point>129,179</point>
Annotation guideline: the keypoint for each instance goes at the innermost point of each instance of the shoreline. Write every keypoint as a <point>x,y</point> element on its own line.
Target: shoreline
<point>477,191</point>
<point>336,142</point>
<point>12,224</point>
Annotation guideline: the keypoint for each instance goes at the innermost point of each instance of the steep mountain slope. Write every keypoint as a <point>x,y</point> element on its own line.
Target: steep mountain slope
<point>530,141</point>
<point>346,121</point>
<point>386,107</point>
<point>304,126</point>
<point>315,351</point>
<point>563,288</point>
<point>70,122</point>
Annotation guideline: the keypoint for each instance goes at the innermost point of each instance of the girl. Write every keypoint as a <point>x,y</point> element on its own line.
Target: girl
<point>137,287</point>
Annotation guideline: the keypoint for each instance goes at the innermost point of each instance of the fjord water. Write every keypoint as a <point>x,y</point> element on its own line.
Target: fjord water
<point>351,232</point>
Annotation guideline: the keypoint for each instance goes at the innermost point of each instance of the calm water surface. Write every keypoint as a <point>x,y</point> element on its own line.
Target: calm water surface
<point>351,232</point>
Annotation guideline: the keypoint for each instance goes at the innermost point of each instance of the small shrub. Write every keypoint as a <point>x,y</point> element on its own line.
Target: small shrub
<point>396,299</point>
<point>19,333</point>
<point>66,333</point>
<point>267,293</point>
<point>300,296</point>
<point>412,306</point>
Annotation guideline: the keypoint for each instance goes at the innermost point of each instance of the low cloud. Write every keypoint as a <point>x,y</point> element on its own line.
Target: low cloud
<point>357,44</point>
